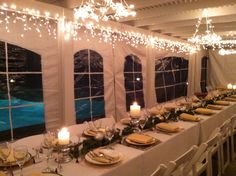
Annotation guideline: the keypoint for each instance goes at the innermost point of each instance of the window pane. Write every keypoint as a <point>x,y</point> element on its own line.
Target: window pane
<point>158,65</point>
<point>26,88</point>
<point>180,90</point>
<point>96,60</point>
<point>161,95</point>
<point>5,133</point>
<point>170,92</point>
<point>169,78</point>
<point>203,86</point>
<point>97,88</point>
<point>203,74</point>
<point>204,62</point>
<point>184,63</point>
<point>138,81</point>
<point>28,120</point>
<point>129,64</point>
<point>129,82</point>
<point>81,85</point>
<point>140,98</point>
<point>177,76</point>
<point>2,57</point>
<point>3,91</point>
<point>167,63</point>
<point>82,108</point>
<point>184,75</point>
<point>176,63</point>
<point>130,98</point>
<point>98,107</point>
<point>22,60</point>
<point>137,64</point>
<point>159,81</point>
<point>81,61</point>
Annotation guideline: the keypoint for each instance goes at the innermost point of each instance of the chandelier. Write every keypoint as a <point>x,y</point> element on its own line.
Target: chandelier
<point>209,39</point>
<point>103,10</point>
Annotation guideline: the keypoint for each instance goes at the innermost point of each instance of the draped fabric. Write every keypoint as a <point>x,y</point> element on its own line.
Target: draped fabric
<point>221,69</point>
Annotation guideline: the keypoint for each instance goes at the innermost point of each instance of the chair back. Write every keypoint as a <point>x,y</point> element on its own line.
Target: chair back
<point>225,128</point>
<point>160,170</point>
<point>233,121</point>
<point>182,161</point>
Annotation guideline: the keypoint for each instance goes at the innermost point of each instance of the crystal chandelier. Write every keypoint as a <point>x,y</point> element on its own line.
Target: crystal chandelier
<point>103,10</point>
<point>209,38</point>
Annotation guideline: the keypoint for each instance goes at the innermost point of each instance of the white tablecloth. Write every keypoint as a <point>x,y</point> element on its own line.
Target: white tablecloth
<point>142,163</point>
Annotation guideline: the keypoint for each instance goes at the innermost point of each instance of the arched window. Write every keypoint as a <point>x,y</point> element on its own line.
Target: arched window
<point>171,75</point>
<point>204,74</point>
<point>21,92</point>
<point>133,81</point>
<point>88,85</point>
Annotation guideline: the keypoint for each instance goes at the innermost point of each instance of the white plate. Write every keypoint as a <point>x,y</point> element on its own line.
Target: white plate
<point>28,157</point>
<point>90,160</point>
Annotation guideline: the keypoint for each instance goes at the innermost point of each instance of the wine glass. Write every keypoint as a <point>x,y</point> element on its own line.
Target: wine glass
<point>49,138</point>
<point>110,132</point>
<point>142,122</point>
<point>20,154</point>
<point>5,151</point>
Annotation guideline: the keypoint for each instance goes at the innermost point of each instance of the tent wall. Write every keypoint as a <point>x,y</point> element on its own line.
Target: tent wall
<point>58,70</point>
<point>221,69</point>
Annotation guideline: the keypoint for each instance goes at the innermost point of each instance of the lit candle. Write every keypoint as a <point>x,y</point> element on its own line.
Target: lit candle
<point>64,136</point>
<point>229,86</point>
<point>135,110</point>
<point>234,87</point>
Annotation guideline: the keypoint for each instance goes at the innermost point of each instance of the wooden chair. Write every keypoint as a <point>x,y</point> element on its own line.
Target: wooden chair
<point>181,162</point>
<point>225,147</point>
<point>204,164</point>
<point>160,170</point>
<point>232,135</point>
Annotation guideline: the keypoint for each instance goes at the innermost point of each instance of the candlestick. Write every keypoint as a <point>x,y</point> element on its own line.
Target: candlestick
<point>64,137</point>
<point>234,87</point>
<point>135,110</point>
<point>229,86</point>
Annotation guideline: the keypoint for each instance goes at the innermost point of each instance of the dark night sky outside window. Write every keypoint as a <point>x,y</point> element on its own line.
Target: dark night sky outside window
<point>171,76</point>
<point>88,85</point>
<point>133,81</point>
<point>21,92</point>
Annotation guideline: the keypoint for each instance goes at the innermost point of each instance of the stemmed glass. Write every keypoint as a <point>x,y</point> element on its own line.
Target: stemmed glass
<point>48,143</point>
<point>5,151</point>
<point>110,132</point>
<point>20,154</point>
<point>142,122</point>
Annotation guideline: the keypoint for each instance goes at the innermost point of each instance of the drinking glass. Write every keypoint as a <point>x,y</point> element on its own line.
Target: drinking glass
<point>142,122</point>
<point>110,132</point>
<point>49,138</point>
<point>5,151</point>
<point>20,154</point>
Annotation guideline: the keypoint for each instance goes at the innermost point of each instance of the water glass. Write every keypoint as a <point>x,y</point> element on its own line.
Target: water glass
<point>20,154</point>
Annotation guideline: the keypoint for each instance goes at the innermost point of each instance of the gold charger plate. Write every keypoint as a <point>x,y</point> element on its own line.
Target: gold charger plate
<point>9,164</point>
<point>90,159</point>
<point>154,140</point>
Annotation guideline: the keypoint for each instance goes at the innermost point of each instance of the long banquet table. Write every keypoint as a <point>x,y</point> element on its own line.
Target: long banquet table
<point>138,162</point>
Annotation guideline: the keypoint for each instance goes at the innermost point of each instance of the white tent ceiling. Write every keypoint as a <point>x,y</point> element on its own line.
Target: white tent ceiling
<point>175,18</point>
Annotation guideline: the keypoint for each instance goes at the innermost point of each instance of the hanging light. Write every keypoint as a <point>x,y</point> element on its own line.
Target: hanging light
<point>103,10</point>
<point>209,38</point>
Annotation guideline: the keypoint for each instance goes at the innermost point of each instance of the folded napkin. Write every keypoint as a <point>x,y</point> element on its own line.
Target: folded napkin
<point>98,158</point>
<point>188,117</point>
<point>140,138</point>
<point>125,121</point>
<point>11,157</point>
<point>2,173</point>
<point>214,107</point>
<point>204,111</point>
<point>92,132</point>
<point>171,107</point>
<point>155,111</point>
<point>220,102</point>
<point>37,174</point>
<point>230,99</point>
<point>233,96</point>
<point>167,127</point>
<point>107,153</point>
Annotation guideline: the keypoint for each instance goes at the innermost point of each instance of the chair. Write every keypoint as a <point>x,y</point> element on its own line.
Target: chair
<point>232,135</point>
<point>225,149</point>
<point>183,161</point>
<point>163,169</point>
<point>204,164</point>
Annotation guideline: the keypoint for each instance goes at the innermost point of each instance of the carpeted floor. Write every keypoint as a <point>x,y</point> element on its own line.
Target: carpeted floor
<point>231,170</point>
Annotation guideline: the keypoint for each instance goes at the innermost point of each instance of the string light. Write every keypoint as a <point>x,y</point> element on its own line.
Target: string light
<point>47,24</point>
<point>226,52</point>
<point>209,38</point>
